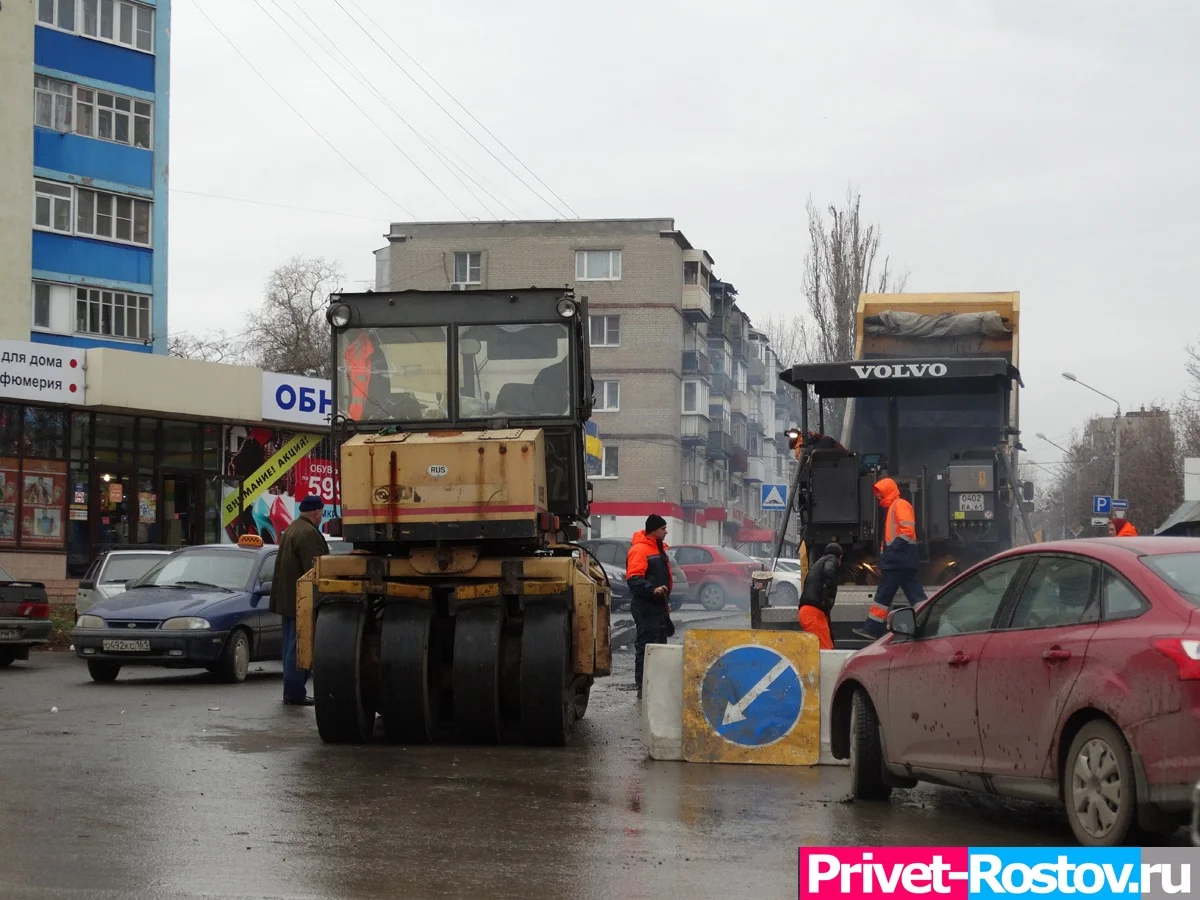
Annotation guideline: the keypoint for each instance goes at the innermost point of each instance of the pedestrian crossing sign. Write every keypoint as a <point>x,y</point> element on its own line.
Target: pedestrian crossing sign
<point>774,497</point>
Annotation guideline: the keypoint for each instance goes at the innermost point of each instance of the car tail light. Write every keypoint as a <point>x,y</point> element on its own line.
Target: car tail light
<point>34,610</point>
<point>1184,652</point>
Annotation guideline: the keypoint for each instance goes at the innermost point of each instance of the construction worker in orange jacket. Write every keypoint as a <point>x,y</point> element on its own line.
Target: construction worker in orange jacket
<point>1121,528</point>
<point>899,559</point>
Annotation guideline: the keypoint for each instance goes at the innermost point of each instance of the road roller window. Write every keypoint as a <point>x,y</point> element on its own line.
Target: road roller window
<point>517,371</point>
<point>393,374</point>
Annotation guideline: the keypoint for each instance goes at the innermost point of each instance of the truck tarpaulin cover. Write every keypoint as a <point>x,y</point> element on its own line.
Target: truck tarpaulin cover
<point>906,324</point>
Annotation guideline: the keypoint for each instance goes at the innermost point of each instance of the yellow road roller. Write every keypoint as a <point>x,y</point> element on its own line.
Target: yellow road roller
<point>465,613</point>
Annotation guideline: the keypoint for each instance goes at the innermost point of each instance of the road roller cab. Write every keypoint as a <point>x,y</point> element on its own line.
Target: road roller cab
<point>464,613</point>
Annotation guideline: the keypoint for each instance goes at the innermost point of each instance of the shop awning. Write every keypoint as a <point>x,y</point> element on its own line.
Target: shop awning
<point>755,536</point>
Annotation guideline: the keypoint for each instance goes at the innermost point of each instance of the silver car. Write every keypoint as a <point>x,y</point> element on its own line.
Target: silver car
<point>109,573</point>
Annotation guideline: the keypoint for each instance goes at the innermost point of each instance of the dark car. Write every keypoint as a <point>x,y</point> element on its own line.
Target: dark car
<point>201,607</point>
<point>1066,672</point>
<point>24,617</point>
<point>614,551</point>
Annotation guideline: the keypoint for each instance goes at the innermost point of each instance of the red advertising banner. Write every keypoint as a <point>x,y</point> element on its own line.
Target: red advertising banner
<point>10,498</point>
<point>317,476</point>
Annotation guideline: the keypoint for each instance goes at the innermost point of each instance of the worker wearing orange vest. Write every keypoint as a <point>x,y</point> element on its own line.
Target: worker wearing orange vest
<point>899,559</point>
<point>357,357</point>
<point>1121,528</point>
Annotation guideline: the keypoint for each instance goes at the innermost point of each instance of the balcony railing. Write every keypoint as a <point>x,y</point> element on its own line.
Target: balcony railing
<point>720,441</point>
<point>694,494</point>
<point>720,327</point>
<point>722,385</point>
<point>696,363</point>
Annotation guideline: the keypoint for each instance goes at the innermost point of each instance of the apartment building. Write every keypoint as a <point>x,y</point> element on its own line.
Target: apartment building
<point>685,387</point>
<point>84,88</point>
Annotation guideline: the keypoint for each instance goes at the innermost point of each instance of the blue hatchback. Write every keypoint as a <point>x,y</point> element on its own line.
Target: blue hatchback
<point>201,607</point>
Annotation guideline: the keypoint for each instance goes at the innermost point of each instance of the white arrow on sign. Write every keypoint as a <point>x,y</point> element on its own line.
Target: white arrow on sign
<point>736,712</point>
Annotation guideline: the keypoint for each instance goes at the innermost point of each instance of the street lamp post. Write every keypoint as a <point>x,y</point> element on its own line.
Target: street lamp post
<point>1117,438</point>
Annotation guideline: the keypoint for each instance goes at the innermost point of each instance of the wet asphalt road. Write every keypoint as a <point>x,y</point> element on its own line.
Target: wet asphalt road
<point>171,785</point>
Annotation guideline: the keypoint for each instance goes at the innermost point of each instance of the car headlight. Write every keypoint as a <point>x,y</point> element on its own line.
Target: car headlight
<point>185,623</point>
<point>89,622</point>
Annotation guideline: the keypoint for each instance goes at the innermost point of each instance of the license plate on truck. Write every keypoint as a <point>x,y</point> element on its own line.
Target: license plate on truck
<point>126,646</point>
<point>9,634</point>
<point>970,503</point>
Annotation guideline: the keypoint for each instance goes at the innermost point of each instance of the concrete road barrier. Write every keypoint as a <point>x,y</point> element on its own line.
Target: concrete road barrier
<point>662,701</point>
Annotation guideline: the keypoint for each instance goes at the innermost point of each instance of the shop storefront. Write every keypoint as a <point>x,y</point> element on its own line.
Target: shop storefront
<point>103,449</point>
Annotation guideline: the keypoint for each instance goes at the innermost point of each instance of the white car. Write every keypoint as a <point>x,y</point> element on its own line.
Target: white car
<point>109,572</point>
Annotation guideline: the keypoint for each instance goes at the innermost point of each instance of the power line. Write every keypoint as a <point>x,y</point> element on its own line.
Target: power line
<point>440,106</point>
<point>459,104</point>
<point>324,212</point>
<point>358,75</point>
<point>366,114</point>
<point>299,114</point>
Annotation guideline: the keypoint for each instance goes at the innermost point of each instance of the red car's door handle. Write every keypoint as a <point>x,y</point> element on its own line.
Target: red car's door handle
<point>959,659</point>
<point>1055,653</point>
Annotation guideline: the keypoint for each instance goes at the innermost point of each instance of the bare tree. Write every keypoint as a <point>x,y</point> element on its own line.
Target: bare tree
<point>1151,474</point>
<point>840,264</point>
<point>215,346</point>
<point>288,333</point>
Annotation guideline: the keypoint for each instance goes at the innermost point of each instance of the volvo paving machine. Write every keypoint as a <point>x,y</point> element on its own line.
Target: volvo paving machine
<point>940,428</point>
<point>464,612</point>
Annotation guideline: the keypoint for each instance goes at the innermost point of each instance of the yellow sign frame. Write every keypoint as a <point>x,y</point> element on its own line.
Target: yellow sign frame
<point>800,745</point>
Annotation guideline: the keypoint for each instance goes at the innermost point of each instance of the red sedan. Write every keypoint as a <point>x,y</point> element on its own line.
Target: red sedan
<point>716,575</point>
<point>1065,672</point>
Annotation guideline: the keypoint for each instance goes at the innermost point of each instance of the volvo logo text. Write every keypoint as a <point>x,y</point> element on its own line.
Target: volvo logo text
<point>901,370</point>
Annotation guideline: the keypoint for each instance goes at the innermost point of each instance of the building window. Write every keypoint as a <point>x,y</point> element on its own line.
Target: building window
<point>608,396</point>
<point>112,314</point>
<point>118,21</point>
<point>41,305</point>
<point>112,216</point>
<point>610,462</point>
<point>52,206</point>
<point>597,265</point>
<point>52,103</point>
<point>691,273</point>
<point>111,117</point>
<point>468,268</point>
<point>605,331</point>
<point>57,14</point>
<point>52,307</point>
<point>695,399</point>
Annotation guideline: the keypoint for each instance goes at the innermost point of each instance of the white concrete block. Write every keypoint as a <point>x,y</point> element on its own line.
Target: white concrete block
<point>831,667</point>
<point>662,701</point>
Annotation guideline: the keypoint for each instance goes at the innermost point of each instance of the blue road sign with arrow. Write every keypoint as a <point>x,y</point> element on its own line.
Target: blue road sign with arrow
<point>1120,505</point>
<point>752,696</point>
<point>1102,505</point>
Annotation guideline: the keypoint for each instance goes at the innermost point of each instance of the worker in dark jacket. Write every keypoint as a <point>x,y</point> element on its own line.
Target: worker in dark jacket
<point>819,595</point>
<point>299,548</point>
<point>648,574</point>
<point>899,559</point>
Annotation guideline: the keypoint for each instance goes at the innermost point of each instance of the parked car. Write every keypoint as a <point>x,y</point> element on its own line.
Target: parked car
<point>716,574</point>
<point>781,564</point>
<point>1066,672</point>
<point>621,596</point>
<point>201,607</point>
<point>614,551</point>
<point>24,617</point>
<point>110,572</point>
<point>1196,815</point>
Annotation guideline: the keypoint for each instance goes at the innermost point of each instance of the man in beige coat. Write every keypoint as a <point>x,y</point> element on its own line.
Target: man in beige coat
<point>299,548</point>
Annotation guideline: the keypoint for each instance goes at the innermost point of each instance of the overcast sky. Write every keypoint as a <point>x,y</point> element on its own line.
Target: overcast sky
<point>1045,146</point>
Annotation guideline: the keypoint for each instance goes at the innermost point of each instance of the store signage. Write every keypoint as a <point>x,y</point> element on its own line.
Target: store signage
<point>286,459</point>
<point>41,372</point>
<point>294,398</point>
